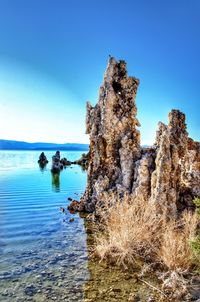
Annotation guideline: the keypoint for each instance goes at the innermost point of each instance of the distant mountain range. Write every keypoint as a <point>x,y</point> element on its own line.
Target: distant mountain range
<point>17,145</point>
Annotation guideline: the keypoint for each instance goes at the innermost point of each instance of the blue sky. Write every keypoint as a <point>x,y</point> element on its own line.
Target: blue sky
<point>53,54</point>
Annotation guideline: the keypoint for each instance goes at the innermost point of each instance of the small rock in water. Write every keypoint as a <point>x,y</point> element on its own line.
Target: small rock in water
<point>69,198</point>
<point>30,290</point>
<point>53,298</point>
<point>5,293</point>
<point>71,220</point>
<point>62,209</point>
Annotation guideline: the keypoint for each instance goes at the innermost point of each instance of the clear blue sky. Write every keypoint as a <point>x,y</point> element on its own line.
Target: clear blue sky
<point>53,54</point>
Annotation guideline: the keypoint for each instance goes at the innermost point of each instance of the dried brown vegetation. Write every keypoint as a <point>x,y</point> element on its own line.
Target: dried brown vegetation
<point>133,232</point>
<point>175,250</point>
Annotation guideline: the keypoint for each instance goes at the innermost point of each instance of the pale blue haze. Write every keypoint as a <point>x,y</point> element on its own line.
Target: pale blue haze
<point>53,55</point>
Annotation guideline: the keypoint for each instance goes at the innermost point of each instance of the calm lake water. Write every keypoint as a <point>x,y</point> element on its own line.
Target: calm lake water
<point>43,256</point>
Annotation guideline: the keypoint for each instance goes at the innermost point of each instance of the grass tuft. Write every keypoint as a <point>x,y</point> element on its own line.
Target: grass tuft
<point>134,231</point>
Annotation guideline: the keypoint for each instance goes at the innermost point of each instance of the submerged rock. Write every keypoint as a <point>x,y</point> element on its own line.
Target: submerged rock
<point>167,174</point>
<point>30,290</point>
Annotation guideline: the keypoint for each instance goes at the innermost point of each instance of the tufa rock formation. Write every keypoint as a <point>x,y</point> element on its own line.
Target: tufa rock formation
<point>42,159</point>
<point>82,161</point>
<point>114,138</point>
<point>167,174</point>
<point>56,164</point>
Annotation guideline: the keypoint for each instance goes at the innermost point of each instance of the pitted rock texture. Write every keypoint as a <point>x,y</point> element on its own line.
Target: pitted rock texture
<point>167,174</point>
<point>171,149</point>
<point>114,138</point>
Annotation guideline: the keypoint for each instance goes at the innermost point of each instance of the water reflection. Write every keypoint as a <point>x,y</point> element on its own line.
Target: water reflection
<point>42,257</point>
<point>56,181</point>
<point>83,168</point>
<point>42,167</point>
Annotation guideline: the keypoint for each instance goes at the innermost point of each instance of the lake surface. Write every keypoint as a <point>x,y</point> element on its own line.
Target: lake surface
<point>43,256</point>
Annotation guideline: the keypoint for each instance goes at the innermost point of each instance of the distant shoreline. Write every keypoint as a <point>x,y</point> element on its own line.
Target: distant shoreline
<point>79,150</point>
<point>9,145</point>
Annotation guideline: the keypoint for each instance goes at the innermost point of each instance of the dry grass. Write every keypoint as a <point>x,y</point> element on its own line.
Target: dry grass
<point>175,251</point>
<point>134,231</point>
<point>131,230</point>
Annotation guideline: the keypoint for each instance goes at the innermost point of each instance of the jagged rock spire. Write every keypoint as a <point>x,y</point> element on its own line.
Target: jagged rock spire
<point>167,174</point>
<point>114,138</point>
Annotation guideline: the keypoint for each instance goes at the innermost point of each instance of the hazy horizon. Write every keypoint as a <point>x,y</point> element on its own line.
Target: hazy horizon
<point>40,142</point>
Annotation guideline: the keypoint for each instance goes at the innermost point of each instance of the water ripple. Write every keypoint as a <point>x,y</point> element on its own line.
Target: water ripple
<point>37,241</point>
